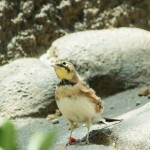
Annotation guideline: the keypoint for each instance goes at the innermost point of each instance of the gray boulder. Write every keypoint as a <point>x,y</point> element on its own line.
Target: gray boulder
<point>110,60</point>
<point>133,133</point>
<point>27,88</point>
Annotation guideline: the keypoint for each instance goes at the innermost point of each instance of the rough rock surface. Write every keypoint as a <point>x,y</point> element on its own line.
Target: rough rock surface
<point>27,28</point>
<point>27,88</point>
<point>110,60</point>
<point>115,136</point>
<point>134,131</point>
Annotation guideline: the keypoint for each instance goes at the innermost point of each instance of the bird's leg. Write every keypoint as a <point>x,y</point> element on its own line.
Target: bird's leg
<point>71,139</point>
<point>88,125</point>
<point>71,133</point>
<point>71,125</point>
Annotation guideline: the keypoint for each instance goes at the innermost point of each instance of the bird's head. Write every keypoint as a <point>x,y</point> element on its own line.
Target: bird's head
<point>65,70</point>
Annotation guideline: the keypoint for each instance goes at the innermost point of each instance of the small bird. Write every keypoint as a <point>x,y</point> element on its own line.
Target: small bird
<point>77,102</point>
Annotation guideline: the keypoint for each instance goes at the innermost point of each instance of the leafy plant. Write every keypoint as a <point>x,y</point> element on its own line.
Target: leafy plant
<point>42,141</point>
<point>7,136</point>
<point>39,141</point>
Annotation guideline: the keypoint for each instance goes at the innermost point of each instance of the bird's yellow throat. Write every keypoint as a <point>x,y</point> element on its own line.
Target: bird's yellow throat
<point>62,73</point>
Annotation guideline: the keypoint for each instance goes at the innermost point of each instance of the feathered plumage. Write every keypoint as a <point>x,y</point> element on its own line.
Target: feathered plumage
<point>77,102</point>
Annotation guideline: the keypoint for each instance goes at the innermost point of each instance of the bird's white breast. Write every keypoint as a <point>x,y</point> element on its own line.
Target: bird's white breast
<point>77,109</point>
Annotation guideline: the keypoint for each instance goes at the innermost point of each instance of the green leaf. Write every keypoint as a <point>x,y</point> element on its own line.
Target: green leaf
<point>42,141</point>
<point>1,148</point>
<point>7,136</point>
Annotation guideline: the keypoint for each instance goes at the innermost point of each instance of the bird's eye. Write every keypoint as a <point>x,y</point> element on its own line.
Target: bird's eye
<point>64,63</point>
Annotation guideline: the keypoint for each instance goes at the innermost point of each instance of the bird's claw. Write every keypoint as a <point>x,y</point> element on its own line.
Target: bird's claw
<point>71,141</point>
<point>84,142</point>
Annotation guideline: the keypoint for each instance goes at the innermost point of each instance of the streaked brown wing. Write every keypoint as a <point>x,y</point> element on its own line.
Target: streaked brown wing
<point>89,92</point>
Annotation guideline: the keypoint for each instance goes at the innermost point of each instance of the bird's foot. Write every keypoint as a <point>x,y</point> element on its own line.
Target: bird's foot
<point>85,142</point>
<point>71,141</point>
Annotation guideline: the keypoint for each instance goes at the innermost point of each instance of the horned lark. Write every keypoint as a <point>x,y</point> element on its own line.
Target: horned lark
<point>77,102</point>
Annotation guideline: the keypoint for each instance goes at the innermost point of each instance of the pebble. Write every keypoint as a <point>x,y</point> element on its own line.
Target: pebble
<point>55,121</point>
<point>138,103</point>
<point>144,91</point>
<point>112,107</point>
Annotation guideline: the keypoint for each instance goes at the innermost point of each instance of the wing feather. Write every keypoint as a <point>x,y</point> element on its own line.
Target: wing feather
<point>89,92</point>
